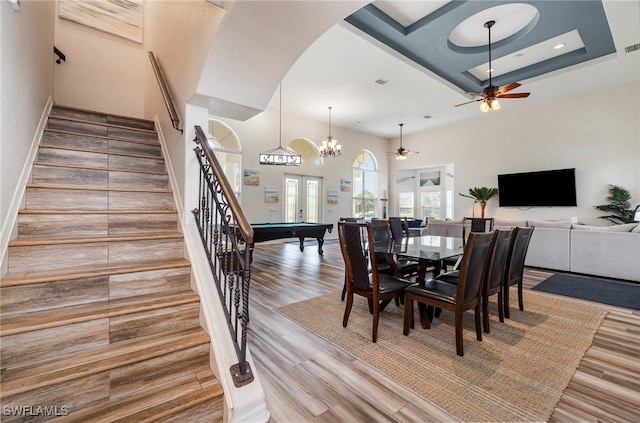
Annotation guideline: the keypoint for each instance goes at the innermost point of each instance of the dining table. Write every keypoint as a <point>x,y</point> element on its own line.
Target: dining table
<point>429,251</point>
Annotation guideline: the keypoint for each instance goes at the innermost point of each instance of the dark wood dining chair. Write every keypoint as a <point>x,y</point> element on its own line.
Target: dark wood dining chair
<point>363,277</point>
<point>399,227</point>
<point>457,298</point>
<point>494,275</point>
<point>352,220</point>
<point>469,225</point>
<point>515,264</point>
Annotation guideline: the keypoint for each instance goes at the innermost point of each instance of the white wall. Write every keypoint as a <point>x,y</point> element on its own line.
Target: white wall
<point>26,82</point>
<point>181,52</point>
<point>103,72</point>
<point>598,134</point>
<point>261,133</point>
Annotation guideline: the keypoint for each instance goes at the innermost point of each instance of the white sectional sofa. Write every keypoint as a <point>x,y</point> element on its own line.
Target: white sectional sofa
<point>609,251</point>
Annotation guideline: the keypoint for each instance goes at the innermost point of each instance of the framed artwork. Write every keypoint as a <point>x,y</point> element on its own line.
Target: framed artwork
<point>117,17</point>
<point>271,194</point>
<point>428,179</point>
<point>251,177</point>
<point>345,184</point>
<point>332,196</point>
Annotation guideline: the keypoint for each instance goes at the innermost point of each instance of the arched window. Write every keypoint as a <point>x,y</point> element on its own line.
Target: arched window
<point>307,150</point>
<point>227,149</point>
<point>365,185</point>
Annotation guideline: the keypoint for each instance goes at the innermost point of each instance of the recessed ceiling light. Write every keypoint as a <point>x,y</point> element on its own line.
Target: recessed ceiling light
<point>427,117</point>
<point>381,81</point>
<point>559,46</point>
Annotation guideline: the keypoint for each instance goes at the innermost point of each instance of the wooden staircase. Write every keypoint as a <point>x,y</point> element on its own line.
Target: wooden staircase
<point>99,321</point>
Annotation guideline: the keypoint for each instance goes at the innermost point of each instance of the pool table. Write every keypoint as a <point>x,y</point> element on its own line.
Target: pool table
<point>270,231</point>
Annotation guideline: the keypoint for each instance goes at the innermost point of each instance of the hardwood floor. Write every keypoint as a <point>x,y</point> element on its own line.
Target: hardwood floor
<point>307,379</point>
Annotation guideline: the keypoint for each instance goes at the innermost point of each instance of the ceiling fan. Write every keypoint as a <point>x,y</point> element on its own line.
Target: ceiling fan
<point>402,153</point>
<point>490,95</point>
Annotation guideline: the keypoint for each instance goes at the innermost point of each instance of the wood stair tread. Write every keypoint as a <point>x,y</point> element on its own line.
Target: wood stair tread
<point>96,188</point>
<point>113,153</point>
<point>26,242</point>
<point>148,406</point>
<point>95,360</point>
<point>27,278</point>
<point>106,124</point>
<point>109,211</point>
<point>61,108</point>
<point>106,169</point>
<point>44,319</point>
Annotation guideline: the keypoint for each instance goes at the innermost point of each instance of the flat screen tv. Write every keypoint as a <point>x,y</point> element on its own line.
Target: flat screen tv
<point>545,188</point>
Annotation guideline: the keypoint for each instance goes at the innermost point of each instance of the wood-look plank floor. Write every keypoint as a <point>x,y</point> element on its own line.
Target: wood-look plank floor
<point>307,379</point>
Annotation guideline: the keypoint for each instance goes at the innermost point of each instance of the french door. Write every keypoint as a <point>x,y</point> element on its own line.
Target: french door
<point>302,195</point>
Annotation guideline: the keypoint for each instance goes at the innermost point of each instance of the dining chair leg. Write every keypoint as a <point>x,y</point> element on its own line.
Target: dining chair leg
<point>485,313</point>
<point>501,306</point>
<point>376,319</point>
<point>408,315</point>
<point>344,288</point>
<point>459,322</point>
<point>520,303</point>
<point>347,309</point>
<point>506,301</point>
<point>478,323</point>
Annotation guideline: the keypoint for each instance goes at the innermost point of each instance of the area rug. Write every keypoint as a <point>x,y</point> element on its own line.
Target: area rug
<point>620,294</point>
<point>517,373</point>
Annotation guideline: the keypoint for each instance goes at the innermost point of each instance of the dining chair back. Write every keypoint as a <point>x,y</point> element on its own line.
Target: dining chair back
<point>457,298</point>
<point>399,227</point>
<point>515,264</point>
<point>494,276</point>
<point>352,220</point>
<point>363,278</point>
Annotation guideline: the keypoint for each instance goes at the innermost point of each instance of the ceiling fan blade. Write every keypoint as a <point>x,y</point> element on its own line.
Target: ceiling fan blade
<point>507,88</point>
<point>472,94</point>
<point>514,95</point>
<point>472,101</point>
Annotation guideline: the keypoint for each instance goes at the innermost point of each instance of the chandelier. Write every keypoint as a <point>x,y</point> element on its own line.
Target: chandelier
<point>330,146</point>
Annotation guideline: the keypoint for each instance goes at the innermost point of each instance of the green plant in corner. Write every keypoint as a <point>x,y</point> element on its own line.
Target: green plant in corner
<point>481,195</point>
<point>619,207</point>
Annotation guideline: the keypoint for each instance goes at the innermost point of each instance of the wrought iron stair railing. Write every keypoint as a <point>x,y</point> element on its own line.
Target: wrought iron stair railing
<point>226,235</point>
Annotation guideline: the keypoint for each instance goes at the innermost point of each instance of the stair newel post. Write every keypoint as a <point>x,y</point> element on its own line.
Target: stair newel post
<point>227,235</point>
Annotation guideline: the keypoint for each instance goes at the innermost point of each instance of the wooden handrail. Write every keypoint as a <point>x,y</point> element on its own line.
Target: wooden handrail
<point>166,94</point>
<point>61,57</point>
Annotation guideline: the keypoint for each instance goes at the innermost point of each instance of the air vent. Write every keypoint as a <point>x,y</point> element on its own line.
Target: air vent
<point>381,81</point>
<point>634,47</point>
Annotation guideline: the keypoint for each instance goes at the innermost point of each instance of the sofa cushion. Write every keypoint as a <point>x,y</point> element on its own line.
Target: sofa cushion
<point>556,224</point>
<point>508,224</point>
<point>549,248</point>
<point>606,253</point>
<point>628,227</point>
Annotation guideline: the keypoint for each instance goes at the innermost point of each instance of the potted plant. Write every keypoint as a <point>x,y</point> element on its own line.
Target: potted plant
<point>481,195</point>
<point>619,207</point>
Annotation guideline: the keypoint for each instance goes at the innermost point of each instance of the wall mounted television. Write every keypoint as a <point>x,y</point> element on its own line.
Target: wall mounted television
<point>547,188</point>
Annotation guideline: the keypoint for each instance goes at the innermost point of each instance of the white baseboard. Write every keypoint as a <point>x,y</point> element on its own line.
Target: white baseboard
<point>9,223</point>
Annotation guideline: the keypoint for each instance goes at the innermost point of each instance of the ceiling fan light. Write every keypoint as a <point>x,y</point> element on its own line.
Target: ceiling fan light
<point>484,106</point>
<point>495,104</point>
